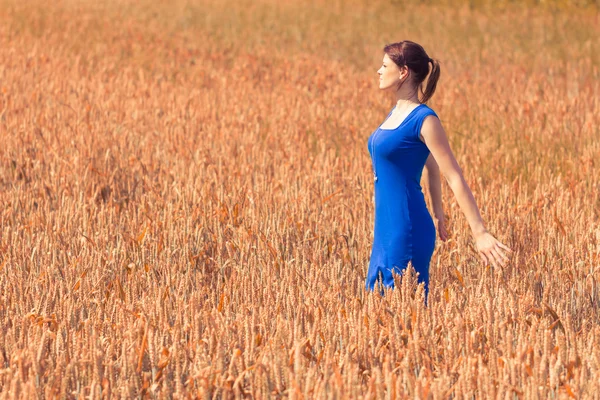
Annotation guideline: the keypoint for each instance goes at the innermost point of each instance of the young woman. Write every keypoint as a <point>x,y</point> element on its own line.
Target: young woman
<point>410,138</point>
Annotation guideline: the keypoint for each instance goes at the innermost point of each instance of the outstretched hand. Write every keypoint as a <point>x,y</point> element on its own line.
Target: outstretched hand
<point>491,250</point>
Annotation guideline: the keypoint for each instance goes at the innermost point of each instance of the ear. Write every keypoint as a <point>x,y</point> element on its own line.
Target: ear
<point>404,73</point>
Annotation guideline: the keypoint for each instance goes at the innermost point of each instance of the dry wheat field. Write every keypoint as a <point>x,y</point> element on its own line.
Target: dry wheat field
<point>186,201</point>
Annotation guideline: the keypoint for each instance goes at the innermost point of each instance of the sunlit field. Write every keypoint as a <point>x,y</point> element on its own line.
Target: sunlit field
<point>186,201</point>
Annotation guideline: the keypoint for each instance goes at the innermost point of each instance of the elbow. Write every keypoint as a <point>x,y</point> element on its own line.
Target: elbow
<point>454,181</point>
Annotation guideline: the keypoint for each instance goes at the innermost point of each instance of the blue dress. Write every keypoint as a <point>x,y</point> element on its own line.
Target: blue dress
<point>404,230</point>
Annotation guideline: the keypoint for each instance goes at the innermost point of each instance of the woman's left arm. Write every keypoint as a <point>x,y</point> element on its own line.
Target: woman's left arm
<point>490,249</point>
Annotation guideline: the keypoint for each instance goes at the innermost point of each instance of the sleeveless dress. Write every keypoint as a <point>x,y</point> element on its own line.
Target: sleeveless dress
<point>404,230</point>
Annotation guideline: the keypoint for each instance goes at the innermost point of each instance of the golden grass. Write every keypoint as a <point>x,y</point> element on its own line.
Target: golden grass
<point>186,202</point>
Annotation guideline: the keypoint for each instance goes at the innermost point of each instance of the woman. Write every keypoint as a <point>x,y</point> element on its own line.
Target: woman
<point>410,138</point>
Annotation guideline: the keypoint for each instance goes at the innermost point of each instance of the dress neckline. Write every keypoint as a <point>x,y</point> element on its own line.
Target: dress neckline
<point>403,121</point>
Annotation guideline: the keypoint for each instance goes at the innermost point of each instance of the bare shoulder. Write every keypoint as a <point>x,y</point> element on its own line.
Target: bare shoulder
<point>432,127</point>
<point>431,121</point>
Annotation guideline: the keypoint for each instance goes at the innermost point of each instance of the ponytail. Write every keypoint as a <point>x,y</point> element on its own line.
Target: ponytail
<point>432,80</point>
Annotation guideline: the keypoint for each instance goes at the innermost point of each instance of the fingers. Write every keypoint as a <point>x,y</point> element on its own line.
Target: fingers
<point>496,257</point>
<point>443,235</point>
<point>497,260</point>
<point>501,253</point>
<point>494,252</point>
<point>504,247</point>
<point>443,232</point>
<point>500,249</point>
<point>491,259</point>
<point>483,257</point>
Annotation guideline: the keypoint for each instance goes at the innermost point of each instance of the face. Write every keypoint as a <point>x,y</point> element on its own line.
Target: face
<point>390,75</point>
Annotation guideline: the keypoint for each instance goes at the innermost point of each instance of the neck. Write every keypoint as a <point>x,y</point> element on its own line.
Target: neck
<point>406,97</point>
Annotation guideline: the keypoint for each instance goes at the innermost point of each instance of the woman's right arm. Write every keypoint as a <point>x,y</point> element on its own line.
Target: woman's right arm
<point>435,191</point>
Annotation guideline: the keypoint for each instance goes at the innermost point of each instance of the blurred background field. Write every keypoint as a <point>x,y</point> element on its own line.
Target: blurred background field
<point>186,201</point>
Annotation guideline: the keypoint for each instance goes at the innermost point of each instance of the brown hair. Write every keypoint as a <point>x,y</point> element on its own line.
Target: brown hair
<point>413,55</point>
